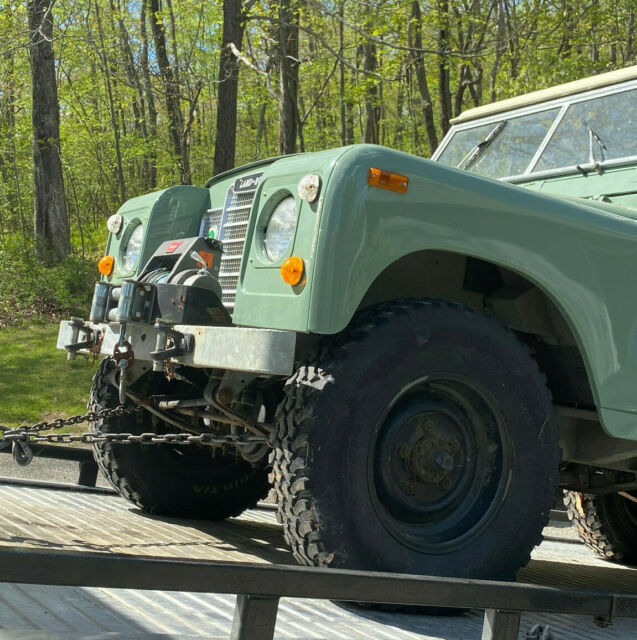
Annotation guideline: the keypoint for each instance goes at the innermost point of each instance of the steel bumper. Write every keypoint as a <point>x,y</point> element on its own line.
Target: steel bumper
<point>265,351</point>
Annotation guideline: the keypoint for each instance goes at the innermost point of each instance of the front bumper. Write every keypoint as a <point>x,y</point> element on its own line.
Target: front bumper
<point>263,351</point>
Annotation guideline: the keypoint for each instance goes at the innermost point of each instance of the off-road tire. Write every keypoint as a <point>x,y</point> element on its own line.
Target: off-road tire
<point>167,481</point>
<point>332,404</point>
<point>606,524</point>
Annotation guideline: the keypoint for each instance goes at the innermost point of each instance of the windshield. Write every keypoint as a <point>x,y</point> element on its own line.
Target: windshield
<point>585,131</point>
<point>613,118</point>
<point>509,153</point>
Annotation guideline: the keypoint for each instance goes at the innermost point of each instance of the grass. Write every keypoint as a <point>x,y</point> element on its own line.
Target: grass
<point>37,382</point>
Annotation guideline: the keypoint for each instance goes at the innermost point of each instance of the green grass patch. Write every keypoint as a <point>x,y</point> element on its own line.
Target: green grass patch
<point>37,382</point>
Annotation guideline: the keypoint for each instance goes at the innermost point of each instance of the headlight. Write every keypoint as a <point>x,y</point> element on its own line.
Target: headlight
<point>280,229</point>
<point>130,253</point>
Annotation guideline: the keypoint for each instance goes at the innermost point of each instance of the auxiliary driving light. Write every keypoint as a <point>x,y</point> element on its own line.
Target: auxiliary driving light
<point>105,265</point>
<point>292,270</point>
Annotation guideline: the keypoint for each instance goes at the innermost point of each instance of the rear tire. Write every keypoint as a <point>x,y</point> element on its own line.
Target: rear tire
<point>422,440</point>
<point>606,524</point>
<point>170,480</point>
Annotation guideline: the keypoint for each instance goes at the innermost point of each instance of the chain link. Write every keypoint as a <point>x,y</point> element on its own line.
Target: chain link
<point>33,434</point>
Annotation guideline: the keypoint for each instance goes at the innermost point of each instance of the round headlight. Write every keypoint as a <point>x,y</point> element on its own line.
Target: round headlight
<point>130,254</point>
<point>280,229</point>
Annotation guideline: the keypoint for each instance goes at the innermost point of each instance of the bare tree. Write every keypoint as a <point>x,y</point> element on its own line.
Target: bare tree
<point>170,82</point>
<point>226,141</point>
<point>51,224</point>
<point>289,70</point>
<point>418,62</point>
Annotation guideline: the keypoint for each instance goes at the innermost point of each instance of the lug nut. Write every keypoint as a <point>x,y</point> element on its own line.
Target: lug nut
<point>445,483</point>
<point>427,425</point>
<point>403,451</point>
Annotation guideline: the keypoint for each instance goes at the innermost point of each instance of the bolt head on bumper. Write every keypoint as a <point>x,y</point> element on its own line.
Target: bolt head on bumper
<point>263,351</point>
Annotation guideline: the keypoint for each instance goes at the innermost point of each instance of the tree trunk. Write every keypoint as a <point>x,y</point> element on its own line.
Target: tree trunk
<point>111,105</point>
<point>444,88</point>
<point>150,98</point>
<point>171,92</point>
<point>289,72</point>
<point>372,107</point>
<point>226,139</point>
<point>139,103</point>
<point>418,61</point>
<point>631,35</point>
<point>51,224</point>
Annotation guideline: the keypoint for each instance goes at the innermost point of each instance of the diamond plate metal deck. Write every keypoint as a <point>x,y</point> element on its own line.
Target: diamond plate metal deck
<point>59,520</point>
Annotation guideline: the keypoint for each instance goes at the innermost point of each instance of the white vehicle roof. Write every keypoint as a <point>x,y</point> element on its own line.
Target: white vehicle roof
<point>553,93</point>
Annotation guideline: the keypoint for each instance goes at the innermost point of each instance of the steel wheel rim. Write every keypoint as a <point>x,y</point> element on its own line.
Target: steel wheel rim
<point>439,463</point>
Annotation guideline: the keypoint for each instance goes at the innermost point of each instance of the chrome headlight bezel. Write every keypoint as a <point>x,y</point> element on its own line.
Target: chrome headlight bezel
<point>131,247</point>
<point>280,228</point>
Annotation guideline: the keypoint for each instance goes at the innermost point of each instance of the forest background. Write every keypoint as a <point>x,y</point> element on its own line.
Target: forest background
<point>151,93</point>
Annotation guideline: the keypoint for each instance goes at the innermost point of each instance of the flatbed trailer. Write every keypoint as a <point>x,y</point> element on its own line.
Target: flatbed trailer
<point>80,563</point>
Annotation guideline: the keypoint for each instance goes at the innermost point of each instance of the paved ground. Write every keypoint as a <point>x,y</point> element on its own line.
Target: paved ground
<point>44,469</point>
<point>61,520</point>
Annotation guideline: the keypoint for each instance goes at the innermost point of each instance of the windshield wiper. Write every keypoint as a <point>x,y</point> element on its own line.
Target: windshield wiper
<point>594,137</point>
<point>479,149</point>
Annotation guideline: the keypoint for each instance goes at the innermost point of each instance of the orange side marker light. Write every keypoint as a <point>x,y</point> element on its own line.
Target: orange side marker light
<point>105,265</point>
<point>292,270</point>
<point>387,180</point>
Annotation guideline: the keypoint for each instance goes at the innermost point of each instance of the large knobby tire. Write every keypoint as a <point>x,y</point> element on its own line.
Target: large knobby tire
<point>422,440</point>
<point>606,524</point>
<point>171,480</point>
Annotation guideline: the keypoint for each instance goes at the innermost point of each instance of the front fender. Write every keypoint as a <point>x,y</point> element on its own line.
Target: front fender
<point>580,255</point>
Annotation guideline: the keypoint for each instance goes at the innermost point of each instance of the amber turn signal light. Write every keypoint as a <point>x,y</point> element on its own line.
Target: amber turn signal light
<point>292,270</point>
<point>387,180</point>
<point>105,265</point>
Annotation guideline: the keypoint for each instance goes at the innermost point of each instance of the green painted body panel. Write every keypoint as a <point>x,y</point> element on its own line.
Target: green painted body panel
<point>263,299</point>
<point>167,214</point>
<point>618,185</point>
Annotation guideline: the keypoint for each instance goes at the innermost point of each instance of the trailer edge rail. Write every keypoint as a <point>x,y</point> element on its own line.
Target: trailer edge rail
<point>260,586</point>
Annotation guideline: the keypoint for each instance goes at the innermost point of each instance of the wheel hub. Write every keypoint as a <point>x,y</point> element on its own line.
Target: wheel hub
<point>433,457</point>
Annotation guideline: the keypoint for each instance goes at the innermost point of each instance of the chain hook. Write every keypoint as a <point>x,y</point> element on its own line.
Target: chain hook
<point>22,453</point>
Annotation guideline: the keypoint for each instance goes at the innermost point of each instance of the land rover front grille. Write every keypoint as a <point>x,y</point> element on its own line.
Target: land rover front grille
<point>230,224</point>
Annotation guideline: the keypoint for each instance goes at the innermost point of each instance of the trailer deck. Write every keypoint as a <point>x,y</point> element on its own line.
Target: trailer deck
<point>54,520</point>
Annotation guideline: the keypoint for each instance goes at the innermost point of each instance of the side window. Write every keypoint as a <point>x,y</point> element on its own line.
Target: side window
<point>613,118</point>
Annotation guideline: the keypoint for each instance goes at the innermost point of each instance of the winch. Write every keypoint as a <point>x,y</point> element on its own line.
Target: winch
<point>179,284</point>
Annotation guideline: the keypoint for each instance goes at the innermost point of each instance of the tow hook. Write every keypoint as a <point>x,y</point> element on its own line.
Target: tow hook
<point>124,358</point>
<point>181,343</point>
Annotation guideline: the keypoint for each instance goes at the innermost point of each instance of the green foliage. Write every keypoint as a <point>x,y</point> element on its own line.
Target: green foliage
<point>29,290</point>
<point>37,382</point>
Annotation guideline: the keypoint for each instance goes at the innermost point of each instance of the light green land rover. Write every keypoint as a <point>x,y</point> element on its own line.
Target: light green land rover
<point>415,354</point>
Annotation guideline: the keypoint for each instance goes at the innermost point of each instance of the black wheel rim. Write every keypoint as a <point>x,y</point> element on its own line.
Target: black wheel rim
<point>439,463</point>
